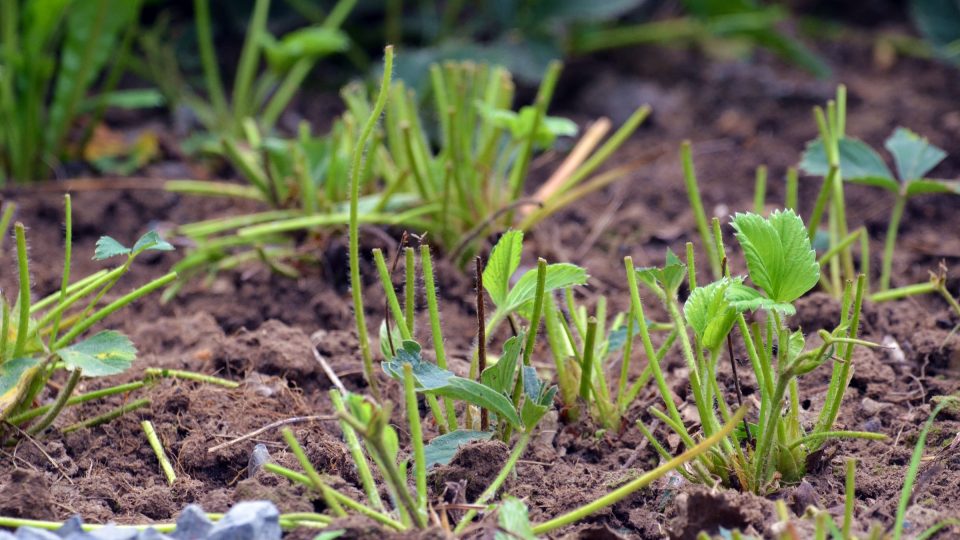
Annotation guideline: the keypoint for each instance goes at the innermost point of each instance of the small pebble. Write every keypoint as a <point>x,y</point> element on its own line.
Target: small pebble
<point>258,457</point>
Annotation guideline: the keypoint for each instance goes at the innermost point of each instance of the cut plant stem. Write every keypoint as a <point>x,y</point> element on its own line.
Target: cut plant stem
<point>312,475</point>
<point>189,376</point>
<point>108,416</point>
<point>354,233</point>
<point>696,204</point>
<point>890,243</point>
<point>586,371</point>
<point>416,438</point>
<point>157,447</point>
<point>436,331</point>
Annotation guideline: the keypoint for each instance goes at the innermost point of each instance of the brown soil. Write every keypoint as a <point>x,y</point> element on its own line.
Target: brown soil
<point>258,328</point>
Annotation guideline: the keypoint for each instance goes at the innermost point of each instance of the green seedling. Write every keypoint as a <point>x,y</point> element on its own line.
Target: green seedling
<point>262,96</point>
<point>782,267</point>
<point>509,389</point>
<point>40,338</point>
<point>913,158</point>
<point>51,54</point>
<point>584,348</point>
<point>825,526</point>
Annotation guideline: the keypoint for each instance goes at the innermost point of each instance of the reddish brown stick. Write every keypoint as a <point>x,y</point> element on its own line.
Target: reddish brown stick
<point>481,340</point>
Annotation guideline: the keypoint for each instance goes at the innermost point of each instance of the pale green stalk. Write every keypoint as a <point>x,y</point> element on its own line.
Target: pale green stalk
<point>760,190</point>
<point>356,452</point>
<point>890,243</point>
<point>158,450</point>
<point>356,284</point>
<point>416,438</point>
<point>315,481</point>
<point>436,331</point>
<point>696,204</point>
<point>640,482</point>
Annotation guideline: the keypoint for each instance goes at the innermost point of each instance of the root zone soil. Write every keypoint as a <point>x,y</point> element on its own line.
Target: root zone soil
<point>259,329</point>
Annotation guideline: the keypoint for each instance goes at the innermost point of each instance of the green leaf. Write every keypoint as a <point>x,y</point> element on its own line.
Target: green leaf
<point>913,155</point>
<point>939,22</point>
<point>12,373</point>
<point>779,256</point>
<point>538,398</point>
<point>710,314</point>
<point>670,277</point>
<point>106,353</point>
<point>513,521</point>
<point>440,382</point>
<point>385,340</point>
<point>503,262</point>
<point>108,247</point>
<point>559,276</point>
<point>442,449</point>
<point>153,242</point>
<point>308,43</point>
<point>744,298</point>
<point>500,376</point>
<point>330,535</point>
<point>928,186</point>
<point>482,396</point>
<point>858,163</point>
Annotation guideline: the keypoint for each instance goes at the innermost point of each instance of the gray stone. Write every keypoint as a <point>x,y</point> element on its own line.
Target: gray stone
<point>29,533</point>
<point>192,524</point>
<point>255,520</point>
<point>258,457</point>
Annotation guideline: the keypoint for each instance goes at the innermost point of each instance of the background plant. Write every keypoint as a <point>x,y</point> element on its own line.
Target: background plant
<point>472,185</point>
<point>913,157</point>
<point>51,55</point>
<point>42,337</point>
<point>260,95</point>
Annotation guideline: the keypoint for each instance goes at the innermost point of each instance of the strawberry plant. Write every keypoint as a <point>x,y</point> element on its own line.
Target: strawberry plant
<point>41,337</point>
<point>913,158</point>
<point>782,267</point>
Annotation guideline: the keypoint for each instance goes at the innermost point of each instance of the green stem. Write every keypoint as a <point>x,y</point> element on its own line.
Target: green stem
<point>108,416</point>
<point>416,438</point>
<point>838,383</point>
<point>67,253</point>
<point>121,302</point>
<point>410,290</point>
<point>637,307</point>
<point>849,496</point>
<point>696,204</point>
<point>23,322</point>
<point>640,482</point>
<point>208,59</point>
<point>914,467</point>
<point>314,478</point>
<point>8,209</point>
<point>189,376</point>
<point>63,397</point>
<point>891,241</point>
<point>356,452</point>
<point>436,331</point>
<point>586,373</point>
<point>903,292</point>
<point>760,190</point>
<point>790,201</point>
<point>494,486</point>
<point>356,166</point>
<point>819,436</point>
<point>340,497</point>
<point>157,447</point>
<point>76,400</point>
<point>247,64</point>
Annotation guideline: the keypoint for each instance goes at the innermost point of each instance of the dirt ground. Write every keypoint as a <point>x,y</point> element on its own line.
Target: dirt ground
<point>257,328</point>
